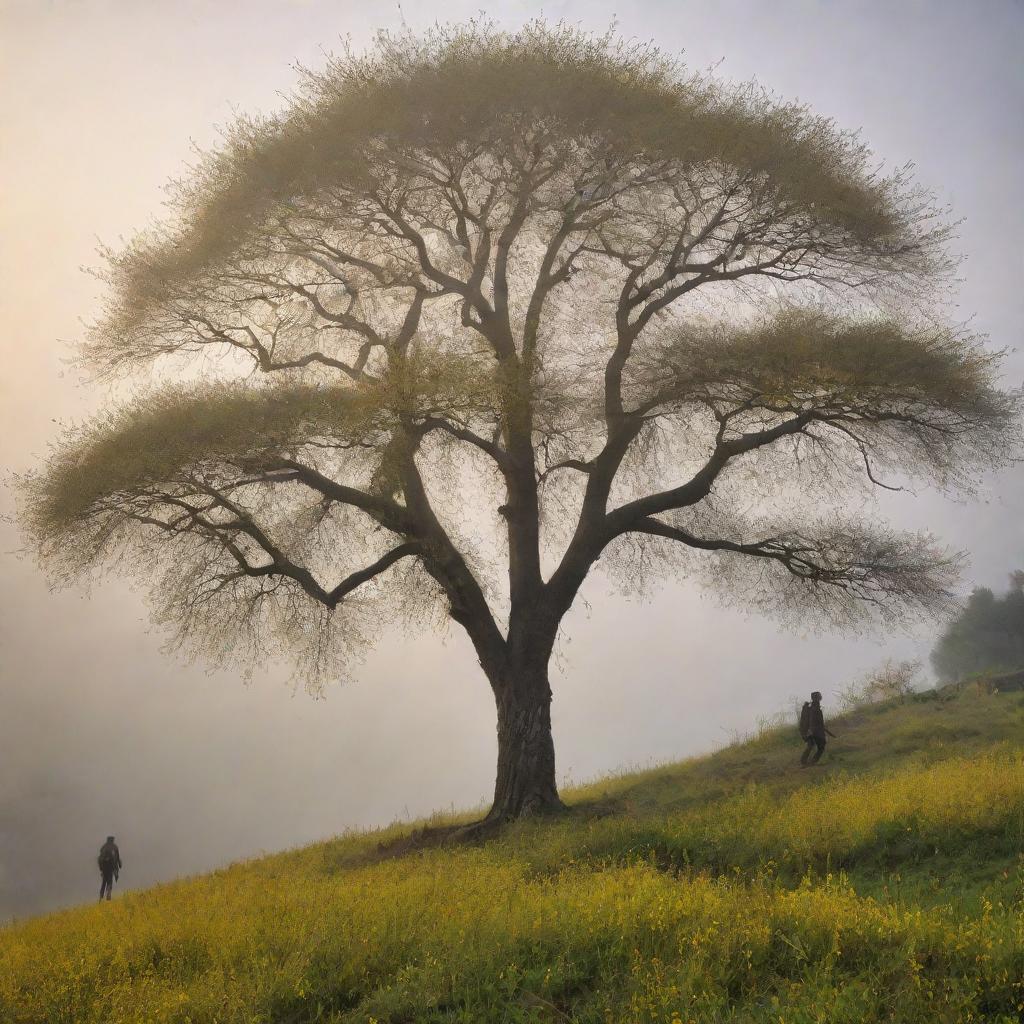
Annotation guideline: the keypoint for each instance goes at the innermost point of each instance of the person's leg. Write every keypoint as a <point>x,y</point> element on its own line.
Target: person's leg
<point>103,885</point>
<point>807,751</point>
<point>820,744</point>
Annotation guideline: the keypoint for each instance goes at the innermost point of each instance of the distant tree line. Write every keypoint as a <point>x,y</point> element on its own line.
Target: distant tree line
<point>987,634</point>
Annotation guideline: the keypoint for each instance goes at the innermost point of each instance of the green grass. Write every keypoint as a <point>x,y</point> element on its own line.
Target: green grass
<point>885,885</point>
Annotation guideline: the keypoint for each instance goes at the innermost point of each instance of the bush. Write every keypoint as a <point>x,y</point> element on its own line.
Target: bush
<point>891,681</point>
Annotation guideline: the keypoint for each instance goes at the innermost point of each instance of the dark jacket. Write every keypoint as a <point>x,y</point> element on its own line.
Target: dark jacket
<point>817,729</point>
<point>812,722</point>
<point>109,859</point>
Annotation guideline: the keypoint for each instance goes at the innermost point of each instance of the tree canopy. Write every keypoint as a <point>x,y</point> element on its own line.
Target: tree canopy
<point>986,635</point>
<point>489,307</point>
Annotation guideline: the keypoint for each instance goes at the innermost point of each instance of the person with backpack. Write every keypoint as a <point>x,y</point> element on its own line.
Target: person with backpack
<point>812,730</point>
<point>109,861</point>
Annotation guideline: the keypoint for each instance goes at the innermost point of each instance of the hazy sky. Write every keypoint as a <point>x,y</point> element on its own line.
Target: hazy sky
<point>100,732</point>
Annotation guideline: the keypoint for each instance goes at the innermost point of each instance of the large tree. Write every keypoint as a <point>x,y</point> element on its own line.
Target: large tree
<point>496,306</point>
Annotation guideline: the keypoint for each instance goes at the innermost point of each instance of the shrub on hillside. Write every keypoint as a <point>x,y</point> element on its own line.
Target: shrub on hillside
<point>892,680</point>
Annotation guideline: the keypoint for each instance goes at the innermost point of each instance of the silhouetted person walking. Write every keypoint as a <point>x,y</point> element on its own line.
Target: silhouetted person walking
<point>109,861</point>
<point>812,730</point>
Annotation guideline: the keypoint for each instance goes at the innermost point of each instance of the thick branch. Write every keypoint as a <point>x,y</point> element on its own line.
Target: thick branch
<point>356,579</point>
<point>596,528</point>
<point>445,563</point>
<point>699,486</point>
<point>385,511</point>
<point>492,448</point>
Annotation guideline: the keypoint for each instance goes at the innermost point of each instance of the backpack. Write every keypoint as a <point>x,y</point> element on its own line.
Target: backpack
<point>805,721</point>
<point>107,859</point>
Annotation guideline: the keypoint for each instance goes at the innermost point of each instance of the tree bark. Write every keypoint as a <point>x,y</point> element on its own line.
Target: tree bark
<point>525,782</point>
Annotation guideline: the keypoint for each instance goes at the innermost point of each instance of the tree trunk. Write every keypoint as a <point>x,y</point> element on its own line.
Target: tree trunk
<point>525,781</point>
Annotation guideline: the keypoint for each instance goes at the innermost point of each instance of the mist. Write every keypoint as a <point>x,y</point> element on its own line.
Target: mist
<point>103,732</point>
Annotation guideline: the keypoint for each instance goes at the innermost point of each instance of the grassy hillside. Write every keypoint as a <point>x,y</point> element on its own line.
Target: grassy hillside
<point>885,885</point>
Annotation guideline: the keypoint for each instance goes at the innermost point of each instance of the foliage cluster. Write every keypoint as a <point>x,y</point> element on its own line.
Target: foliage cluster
<point>987,635</point>
<point>468,92</point>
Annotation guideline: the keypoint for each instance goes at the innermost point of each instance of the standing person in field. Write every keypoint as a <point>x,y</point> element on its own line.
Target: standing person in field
<point>812,730</point>
<point>109,861</point>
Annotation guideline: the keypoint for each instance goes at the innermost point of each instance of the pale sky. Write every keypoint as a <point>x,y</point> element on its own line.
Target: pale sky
<point>100,101</point>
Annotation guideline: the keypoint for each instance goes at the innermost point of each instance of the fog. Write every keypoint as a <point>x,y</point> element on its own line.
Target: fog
<point>101,732</point>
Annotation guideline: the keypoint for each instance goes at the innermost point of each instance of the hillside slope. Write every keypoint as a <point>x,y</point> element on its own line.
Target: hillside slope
<point>885,885</point>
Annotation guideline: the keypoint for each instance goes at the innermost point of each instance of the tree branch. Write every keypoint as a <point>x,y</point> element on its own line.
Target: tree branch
<point>494,450</point>
<point>385,511</point>
<point>699,486</point>
<point>356,579</point>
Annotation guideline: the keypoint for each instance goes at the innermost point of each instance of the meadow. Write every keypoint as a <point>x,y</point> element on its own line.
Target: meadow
<point>887,885</point>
